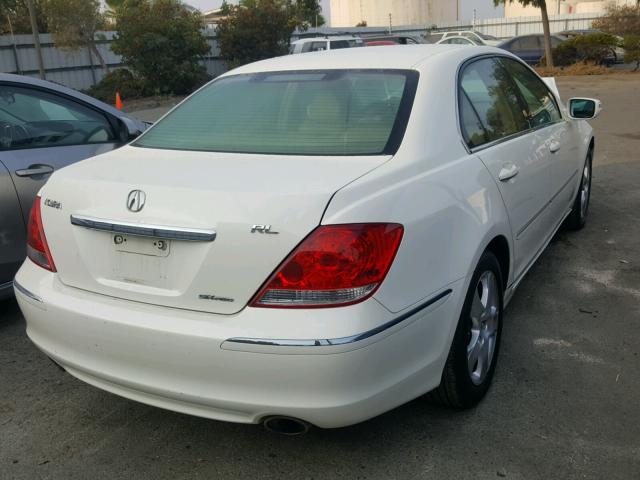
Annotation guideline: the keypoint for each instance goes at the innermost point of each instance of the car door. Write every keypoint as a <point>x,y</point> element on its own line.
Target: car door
<point>495,127</point>
<point>528,48</point>
<point>553,132</point>
<point>42,131</point>
<point>12,232</point>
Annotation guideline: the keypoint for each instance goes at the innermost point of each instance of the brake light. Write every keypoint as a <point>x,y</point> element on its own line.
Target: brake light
<point>335,265</point>
<point>37,247</point>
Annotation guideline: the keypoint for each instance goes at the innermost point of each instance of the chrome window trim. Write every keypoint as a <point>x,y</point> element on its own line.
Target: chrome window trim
<point>141,230</point>
<point>326,342</point>
<point>26,292</point>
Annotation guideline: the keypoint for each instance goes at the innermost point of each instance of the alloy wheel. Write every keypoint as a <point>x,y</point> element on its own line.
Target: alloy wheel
<point>484,319</point>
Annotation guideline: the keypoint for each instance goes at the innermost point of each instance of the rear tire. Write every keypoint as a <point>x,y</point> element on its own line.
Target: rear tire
<point>474,351</point>
<point>578,216</point>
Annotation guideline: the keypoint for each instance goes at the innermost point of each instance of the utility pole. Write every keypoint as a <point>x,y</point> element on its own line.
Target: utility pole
<point>36,37</point>
<point>390,24</point>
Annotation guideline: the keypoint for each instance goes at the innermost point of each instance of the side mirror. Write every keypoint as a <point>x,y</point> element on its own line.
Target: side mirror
<point>584,108</point>
<point>130,129</point>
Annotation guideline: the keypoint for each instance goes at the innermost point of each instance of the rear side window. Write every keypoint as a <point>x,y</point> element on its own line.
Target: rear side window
<point>472,129</point>
<point>326,112</point>
<point>531,42</point>
<point>337,44</point>
<point>541,106</point>
<point>494,97</point>
<point>32,118</point>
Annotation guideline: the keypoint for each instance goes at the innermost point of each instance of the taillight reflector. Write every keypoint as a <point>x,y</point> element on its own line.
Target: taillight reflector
<point>37,247</point>
<point>335,265</point>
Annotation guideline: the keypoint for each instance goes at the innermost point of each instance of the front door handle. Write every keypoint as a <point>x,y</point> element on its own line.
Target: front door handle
<point>554,147</point>
<point>507,172</point>
<point>34,170</point>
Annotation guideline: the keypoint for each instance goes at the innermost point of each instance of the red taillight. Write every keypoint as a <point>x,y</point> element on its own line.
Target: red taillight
<point>335,265</point>
<point>37,247</point>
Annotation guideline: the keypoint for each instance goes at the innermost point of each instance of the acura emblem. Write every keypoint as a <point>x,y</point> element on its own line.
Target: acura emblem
<point>136,200</point>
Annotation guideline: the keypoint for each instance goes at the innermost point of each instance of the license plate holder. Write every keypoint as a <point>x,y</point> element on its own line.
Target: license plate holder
<point>155,247</point>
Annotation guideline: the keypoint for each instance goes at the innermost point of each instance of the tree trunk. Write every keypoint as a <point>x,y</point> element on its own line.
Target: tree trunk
<point>36,37</point>
<point>96,52</point>
<point>547,34</point>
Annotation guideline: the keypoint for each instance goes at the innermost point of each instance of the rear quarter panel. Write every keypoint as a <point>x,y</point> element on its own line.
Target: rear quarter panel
<point>445,197</point>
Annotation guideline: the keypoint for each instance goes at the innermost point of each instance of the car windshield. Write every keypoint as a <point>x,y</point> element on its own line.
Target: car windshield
<point>329,112</point>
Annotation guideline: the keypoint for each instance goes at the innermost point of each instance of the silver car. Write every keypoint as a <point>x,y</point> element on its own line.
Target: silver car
<point>44,127</point>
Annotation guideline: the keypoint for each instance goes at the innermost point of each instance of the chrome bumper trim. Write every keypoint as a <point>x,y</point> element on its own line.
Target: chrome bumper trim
<point>135,229</point>
<point>26,292</point>
<point>325,342</point>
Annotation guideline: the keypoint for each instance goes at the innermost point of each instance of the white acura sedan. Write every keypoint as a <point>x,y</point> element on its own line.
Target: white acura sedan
<point>312,239</point>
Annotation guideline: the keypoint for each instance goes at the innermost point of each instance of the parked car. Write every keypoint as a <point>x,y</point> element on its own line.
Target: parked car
<point>617,53</point>
<point>43,127</point>
<point>459,41</point>
<point>307,240</point>
<point>392,39</point>
<point>530,48</point>
<point>317,44</point>
<point>477,37</point>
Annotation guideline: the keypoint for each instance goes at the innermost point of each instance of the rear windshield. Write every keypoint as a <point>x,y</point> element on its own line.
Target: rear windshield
<point>328,112</point>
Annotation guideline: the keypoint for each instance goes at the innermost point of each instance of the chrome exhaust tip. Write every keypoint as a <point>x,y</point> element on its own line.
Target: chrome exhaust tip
<point>286,425</point>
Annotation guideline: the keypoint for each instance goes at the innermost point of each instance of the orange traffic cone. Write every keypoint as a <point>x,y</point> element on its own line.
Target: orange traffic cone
<point>119,104</point>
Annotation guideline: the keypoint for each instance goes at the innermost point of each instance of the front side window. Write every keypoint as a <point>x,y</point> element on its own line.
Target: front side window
<point>327,112</point>
<point>31,118</point>
<point>541,106</point>
<point>530,42</point>
<point>494,97</point>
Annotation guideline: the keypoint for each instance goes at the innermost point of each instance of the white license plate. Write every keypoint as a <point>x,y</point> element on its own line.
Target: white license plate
<point>155,247</point>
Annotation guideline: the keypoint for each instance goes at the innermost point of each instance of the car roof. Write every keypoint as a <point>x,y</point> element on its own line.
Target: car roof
<point>390,57</point>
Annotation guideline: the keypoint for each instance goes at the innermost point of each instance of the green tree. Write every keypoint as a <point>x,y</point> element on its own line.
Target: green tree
<point>542,5</point>
<point>74,24</point>
<point>623,21</point>
<point>162,42</point>
<point>258,29</point>
<point>14,17</point>
<point>254,30</point>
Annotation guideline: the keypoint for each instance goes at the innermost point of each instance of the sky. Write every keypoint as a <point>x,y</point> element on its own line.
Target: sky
<point>484,8</point>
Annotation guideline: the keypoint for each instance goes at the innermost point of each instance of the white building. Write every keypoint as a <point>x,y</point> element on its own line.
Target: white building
<point>554,7</point>
<point>348,13</point>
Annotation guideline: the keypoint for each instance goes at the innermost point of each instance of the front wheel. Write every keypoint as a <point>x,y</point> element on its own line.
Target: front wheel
<point>578,216</point>
<point>474,351</point>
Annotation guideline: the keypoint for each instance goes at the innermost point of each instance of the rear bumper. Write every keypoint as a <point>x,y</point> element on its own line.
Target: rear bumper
<point>182,360</point>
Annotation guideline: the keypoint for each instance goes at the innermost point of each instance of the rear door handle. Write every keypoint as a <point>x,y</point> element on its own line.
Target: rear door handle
<point>554,147</point>
<point>34,170</point>
<point>507,172</point>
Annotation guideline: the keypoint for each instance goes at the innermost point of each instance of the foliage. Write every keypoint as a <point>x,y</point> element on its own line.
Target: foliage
<point>631,45</point>
<point>74,24</point>
<point>623,21</point>
<point>258,29</point>
<point>574,69</point>
<point>542,5</point>
<point>161,42</point>
<point>361,23</point>
<point>620,20</point>
<point>121,80</point>
<point>595,48</point>
<point>14,15</point>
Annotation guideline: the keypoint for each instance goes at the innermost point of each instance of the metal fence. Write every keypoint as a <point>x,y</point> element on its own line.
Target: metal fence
<point>498,27</point>
<point>77,69</point>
